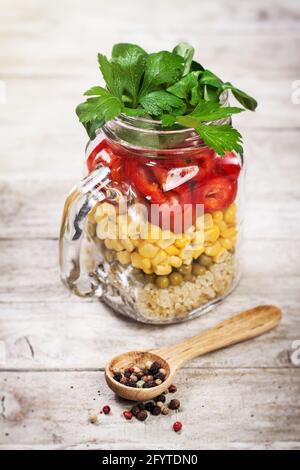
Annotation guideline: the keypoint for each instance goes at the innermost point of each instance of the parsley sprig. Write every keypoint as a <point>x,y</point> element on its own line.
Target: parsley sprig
<point>167,86</point>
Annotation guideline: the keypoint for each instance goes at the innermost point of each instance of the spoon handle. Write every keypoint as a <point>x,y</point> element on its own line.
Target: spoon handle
<point>246,325</point>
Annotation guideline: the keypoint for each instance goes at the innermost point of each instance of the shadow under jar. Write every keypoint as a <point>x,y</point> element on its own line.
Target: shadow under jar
<point>154,228</point>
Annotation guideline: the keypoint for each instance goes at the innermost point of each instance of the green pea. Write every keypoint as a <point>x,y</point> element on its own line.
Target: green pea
<point>138,274</point>
<point>185,269</point>
<point>162,282</point>
<point>109,256</point>
<point>150,278</point>
<point>198,270</point>
<point>205,261</point>
<point>175,279</point>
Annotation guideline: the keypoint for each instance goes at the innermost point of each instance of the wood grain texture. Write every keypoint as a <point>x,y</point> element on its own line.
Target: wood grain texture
<point>223,409</point>
<point>53,346</point>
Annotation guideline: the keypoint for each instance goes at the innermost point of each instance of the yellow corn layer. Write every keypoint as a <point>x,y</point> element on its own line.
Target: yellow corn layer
<point>160,251</point>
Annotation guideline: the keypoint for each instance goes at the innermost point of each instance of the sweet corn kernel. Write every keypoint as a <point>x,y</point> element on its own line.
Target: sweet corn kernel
<point>165,243</point>
<point>108,209</point>
<point>226,242</point>
<point>214,249</point>
<point>167,235</point>
<point>172,250</point>
<point>148,250</point>
<point>148,270</point>
<point>208,221</point>
<point>163,269</point>
<point>212,234</point>
<point>221,256</point>
<point>124,257</point>
<point>175,261</point>
<point>229,232</point>
<point>198,237</point>
<point>217,216</point>
<point>136,259</point>
<point>222,225</point>
<point>113,244</point>
<point>102,228</point>
<point>198,252</point>
<point>200,223</point>
<point>155,233</point>
<point>128,245</point>
<point>182,242</point>
<point>159,258</point>
<point>230,214</point>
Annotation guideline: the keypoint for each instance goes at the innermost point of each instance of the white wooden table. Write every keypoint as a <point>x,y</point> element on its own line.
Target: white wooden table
<point>53,346</point>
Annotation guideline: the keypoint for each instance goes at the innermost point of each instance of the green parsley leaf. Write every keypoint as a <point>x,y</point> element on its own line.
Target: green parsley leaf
<point>131,60</point>
<point>221,138</point>
<point>209,78</point>
<point>134,111</point>
<point>160,101</point>
<point>103,106</point>
<point>167,120</point>
<point>112,75</point>
<point>184,87</point>
<point>186,51</point>
<point>247,101</point>
<point>207,111</point>
<point>162,69</point>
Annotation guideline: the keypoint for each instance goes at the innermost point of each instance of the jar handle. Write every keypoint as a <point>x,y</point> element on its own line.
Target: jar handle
<point>79,253</point>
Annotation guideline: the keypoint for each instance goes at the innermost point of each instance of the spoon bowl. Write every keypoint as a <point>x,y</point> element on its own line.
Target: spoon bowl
<point>136,358</point>
<point>241,327</point>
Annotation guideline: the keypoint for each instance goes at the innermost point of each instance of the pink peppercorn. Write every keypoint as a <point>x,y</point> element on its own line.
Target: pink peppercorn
<point>127,414</point>
<point>177,426</point>
<point>106,409</point>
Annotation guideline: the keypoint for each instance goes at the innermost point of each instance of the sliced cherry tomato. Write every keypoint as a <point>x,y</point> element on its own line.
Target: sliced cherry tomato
<point>206,164</point>
<point>143,180</point>
<point>229,165</point>
<point>216,194</point>
<point>174,178</point>
<point>102,153</point>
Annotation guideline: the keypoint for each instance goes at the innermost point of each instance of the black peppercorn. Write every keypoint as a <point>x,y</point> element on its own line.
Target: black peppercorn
<point>154,368</point>
<point>135,410</point>
<point>156,411</point>
<point>141,405</point>
<point>150,406</point>
<point>161,398</point>
<point>160,376</point>
<point>142,415</point>
<point>149,384</point>
<point>172,388</point>
<point>174,404</point>
<point>118,376</point>
<point>127,373</point>
<point>130,383</point>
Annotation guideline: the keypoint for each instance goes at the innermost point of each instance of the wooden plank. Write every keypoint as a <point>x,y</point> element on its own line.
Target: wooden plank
<point>44,27</point>
<point>230,409</point>
<point>84,335</point>
<point>30,269</point>
<point>32,208</point>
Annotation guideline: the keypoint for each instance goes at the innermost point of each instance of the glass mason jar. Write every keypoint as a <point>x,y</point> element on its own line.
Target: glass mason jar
<point>154,227</point>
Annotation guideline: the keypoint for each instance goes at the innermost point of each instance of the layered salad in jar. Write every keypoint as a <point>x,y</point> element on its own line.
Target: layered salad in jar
<point>167,220</point>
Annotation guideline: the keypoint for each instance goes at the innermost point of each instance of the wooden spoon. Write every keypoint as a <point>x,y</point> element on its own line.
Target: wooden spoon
<point>246,325</point>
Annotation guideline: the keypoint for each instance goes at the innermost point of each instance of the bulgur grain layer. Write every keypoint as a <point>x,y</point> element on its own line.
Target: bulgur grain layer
<point>177,301</point>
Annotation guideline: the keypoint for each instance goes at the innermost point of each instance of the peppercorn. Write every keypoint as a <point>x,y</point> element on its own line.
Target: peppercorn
<point>131,369</point>
<point>172,388</point>
<point>156,411</point>
<point>140,383</point>
<point>127,414</point>
<point>93,419</point>
<point>162,371</point>
<point>160,376</point>
<point>177,426</point>
<point>117,376</point>
<point>133,377</point>
<point>160,404</point>
<point>165,410</point>
<point>149,384</point>
<point>150,406</point>
<point>135,410</point>
<point>141,405</point>
<point>158,382</point>
<point>142,415</point>
<point>123,381</point>
<point>154,368</point>
<point>127,373</point>
<point>174,404</point>
<point>161,397</point>
<point>131,383</point>
<point>106,409</point>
